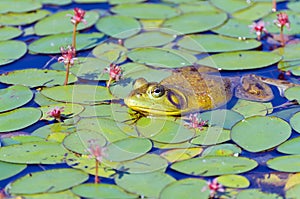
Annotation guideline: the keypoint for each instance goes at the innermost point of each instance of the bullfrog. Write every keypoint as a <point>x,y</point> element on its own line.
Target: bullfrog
<point>188,90</point>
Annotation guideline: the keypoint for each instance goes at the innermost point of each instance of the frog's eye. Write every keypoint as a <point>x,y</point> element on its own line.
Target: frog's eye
<point>157,91</point>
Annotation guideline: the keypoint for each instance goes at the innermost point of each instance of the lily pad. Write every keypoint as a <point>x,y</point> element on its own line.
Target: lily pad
<point>214,165</point>
<point>118,26</point>
<point>46,78</point>
<point>293,192</point>
<point>56,2</point>
<point>280,163</point>
<point>60,23</point>
<point>16,120</point>
<point>9,169</point>
<point>110,52</point>
<point>295,6</point>
<point>211,135</point>
<point>291,66</point>
<point>241,60</point>
<point>290,147</point>
<point>197,6</point>
<point>16,19</point>
<point>253,133</point>
<point>81,94</point>
<point>195,22</point>
<point>42,100</point>
<point>40,152</point>
<point>51,44</point>
<point>175,155</point>
<point>230,6</point>
<point>107,191</point>
<point>8,32</point>
<point>215,43</point>
<point>145,185</point>
<point>294,121</point>
<point>251,108</point>
<point>222,150</point>
<point>289,52</point>
<point>145,11</point>
<point>255,193</point>
<point>254,12</point>
<point>114,2</point>
<point>19,6</point>
<point>57,180</point>
<point>61,194</point>
<point>293,93</point>
<point>128,149</point>
<point>11,51</point>
<point>56,128</point>
<point>186,188</point>
<point>69,110</point>
<point>233,181</point>
<point>14,97</point>
<point>147,39</point>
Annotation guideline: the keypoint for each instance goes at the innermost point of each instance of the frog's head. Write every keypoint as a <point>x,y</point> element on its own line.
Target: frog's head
<point>152,98</point>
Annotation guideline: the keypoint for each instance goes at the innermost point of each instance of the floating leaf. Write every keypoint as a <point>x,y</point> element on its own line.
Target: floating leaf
<point>40,152</point>
<point>182,145</point>
<point>195,22</point>
<point>230,6</point>
<point>60,23</point>
<point>118,26</point>
<point>20,139</point>
<point>241,60</point>
<point>214,165</point>
<point>69,110</point>
<point>113,2</point>
<point>90,1</point>
<point>292,180</point>
<point>222,150</point>
<point>294,6</point>
<point>197,6</point>
<point>128,149</point>
<point>254,12</point>
<point>293,192</point>
<point>186,188</point>
<point>57,180</point>
<point>290,147</point>
<point>289,52</point>
<point>251,108</point>
<point>22,117</point>
<point>146,184</point>
<point>14,97</point>
<point>293,93</point>
<point>81,94</point>
<point>145,11</point>
<point>286,114</point>
<point>16,19</point>
<point>51,44</point>
<point>291,66</point>
<point>19,6</point>
<point>215,43</point>
<point>294,121</point>
<point>253,133</point>
<point>62,194</point>
<point>211,135</point>
<point>56,128</point>
<point>11,51</point>
<point>9,169</point>
<point>175,155</point>
<point>46,78</point>
<point>56,2</point>
<point>233,181</point>
<point>255,193</point>
<point>110,52</point>
<point>107,191</point>
<point>8,32</point>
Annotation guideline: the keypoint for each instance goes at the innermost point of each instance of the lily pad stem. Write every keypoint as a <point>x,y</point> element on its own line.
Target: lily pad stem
<point>274,8</point>
<point>282,37</point>
<point>67,73</point>
<point>96,172</point>
<point>74,37</point>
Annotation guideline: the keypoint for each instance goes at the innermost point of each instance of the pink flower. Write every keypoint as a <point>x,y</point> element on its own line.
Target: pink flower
<point>96,151</point>
<point>68,55</point>
<point>78,16</point>
<point>214,188</point>
<point>195,123</point>
<point>259,28</point>
<point>282,20</point>
<point>114,72</point>
<point>56,112</point>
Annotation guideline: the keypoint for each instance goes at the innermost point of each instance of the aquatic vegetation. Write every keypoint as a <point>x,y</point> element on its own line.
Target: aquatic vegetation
<point>282,21</point>
<point>68,57</point>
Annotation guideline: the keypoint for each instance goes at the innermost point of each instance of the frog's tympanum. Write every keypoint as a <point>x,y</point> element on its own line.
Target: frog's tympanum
<point>188,90</point>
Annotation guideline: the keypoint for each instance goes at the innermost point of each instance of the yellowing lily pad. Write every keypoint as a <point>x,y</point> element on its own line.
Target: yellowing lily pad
<point>253,133</point>
<point>11,51</point>
<point>16,19</point>
<point>8,32</point>
<point>175,155</point>
<point>241,60</point>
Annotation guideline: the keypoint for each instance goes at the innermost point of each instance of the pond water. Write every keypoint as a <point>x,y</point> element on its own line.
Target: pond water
<point>250,148</point>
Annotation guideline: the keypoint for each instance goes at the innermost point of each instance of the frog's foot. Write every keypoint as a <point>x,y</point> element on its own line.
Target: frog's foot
<point>252,88</point>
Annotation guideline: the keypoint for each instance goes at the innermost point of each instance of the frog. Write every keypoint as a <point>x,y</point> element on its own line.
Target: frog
<point>188,90</point>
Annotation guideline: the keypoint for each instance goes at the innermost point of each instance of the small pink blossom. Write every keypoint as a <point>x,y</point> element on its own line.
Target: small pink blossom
<point>114,72</point>
<point>78,16</point>
<point>68,55</point>
<point>56,112</point>
<point>282,20</point>
<point>195,122</point>
<point>214,188</point>
<point>259,28</point>
<point>96,151</point>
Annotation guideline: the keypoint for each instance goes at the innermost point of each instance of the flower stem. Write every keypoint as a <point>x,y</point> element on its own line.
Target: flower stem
<point>96,172</point>
<point>274,8</point>
<point>74,37</point>
<point>67,74</point>
<point>282,37</point>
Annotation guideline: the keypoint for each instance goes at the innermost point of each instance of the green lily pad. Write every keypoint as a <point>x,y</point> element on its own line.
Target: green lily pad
<point>293,93</point>
<point>253,133</point>
<point>291,66</point>
<point>294,121</point>
<point>165,131</point>
<point>255,193</point>
<point>62,194</point>
<point>14,97</point>
<point>280,163</point>
<point>222,150</point>
<point>16,120</point>
<point>251,108</point>
<point>294,6</point>
<point>215,43</point>
<point>118,26</point>
<point>107,191</point>
<point>8,32</point>
<point>195,22</point>
<point>40,152</point>
<point>43,100</point>
<point>110,52</point>
<point>182,145</point>
<point>11,51</point>
<point>238,28</point>
<point>293,192</point>
<point>56,2</point>
<point>9,169</point>
<point>175,155</point>
<point>197,6</point>
<point>233,181</point>
<point>114,2</point>
<point>90,1</point>
<point>128,149</point>
<point>145,11</point>
<point>159,57</point>
<point>254,12</point>
<point>211,135</point>
<point>286,114</point>
<point>290,147</point>
<point>241,60</point>
<point>56,128</point>
<point>289,52</point>
<point>69,110</point>
<point>145,185</point>
<point>57,180</point>
<point>60,23</point>
<point>19,6</point>
<point>20,139</point>
<point>81,94</point>
<point>214,165</point>
<point>221,117</point>
<point>230,6</point>
<point>51,44</point>
<point>16,19</point>
<point>186,188</point>
<point>46,78</point>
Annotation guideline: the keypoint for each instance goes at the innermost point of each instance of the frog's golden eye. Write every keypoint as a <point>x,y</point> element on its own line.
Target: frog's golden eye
<point>157,91</point>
